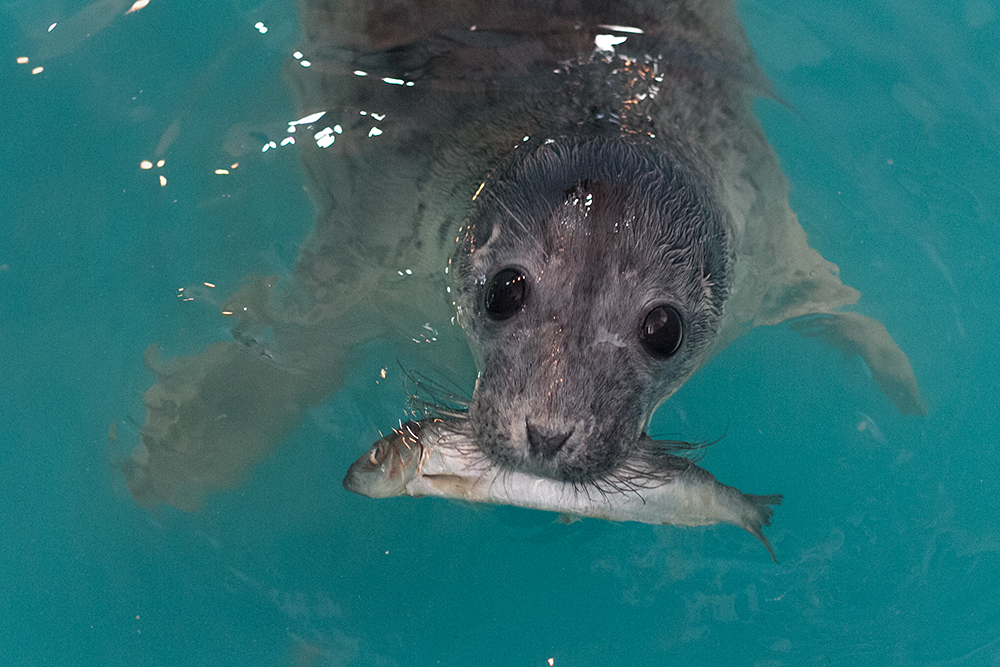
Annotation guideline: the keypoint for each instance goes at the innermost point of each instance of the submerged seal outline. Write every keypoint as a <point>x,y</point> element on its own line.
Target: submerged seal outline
<point>647,157</point>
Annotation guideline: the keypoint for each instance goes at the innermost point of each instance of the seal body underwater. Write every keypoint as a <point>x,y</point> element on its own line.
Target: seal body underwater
<point>582,187</point>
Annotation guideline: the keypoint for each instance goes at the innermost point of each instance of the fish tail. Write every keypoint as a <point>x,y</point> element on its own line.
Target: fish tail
<point>763,505</point>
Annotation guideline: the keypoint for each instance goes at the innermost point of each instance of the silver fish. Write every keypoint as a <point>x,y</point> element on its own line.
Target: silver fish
<point>439,458</point>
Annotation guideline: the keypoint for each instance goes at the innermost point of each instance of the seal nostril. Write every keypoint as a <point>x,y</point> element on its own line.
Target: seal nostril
<point>544,443</point>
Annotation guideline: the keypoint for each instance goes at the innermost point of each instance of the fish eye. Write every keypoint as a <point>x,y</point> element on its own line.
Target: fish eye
<point>376,455</point>
<point>662,331</point>
<point>506,294</point>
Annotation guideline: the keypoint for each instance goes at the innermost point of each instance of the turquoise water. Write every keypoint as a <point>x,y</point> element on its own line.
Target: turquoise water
<point>888,544</point>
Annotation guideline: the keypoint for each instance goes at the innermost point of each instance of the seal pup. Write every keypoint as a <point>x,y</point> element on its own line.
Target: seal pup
<point>582,186</point>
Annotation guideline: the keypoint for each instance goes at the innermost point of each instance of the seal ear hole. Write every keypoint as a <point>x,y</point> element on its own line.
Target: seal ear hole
<point>506,294</point>
<point>662,331</point>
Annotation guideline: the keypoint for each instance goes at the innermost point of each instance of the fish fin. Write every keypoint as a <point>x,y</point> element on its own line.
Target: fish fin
<point>567,518</point>
<point>855,334</point>
<point>763,505</point>
<point>452,486</point>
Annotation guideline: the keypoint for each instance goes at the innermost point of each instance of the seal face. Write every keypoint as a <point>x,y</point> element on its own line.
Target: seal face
<point>590,280</point>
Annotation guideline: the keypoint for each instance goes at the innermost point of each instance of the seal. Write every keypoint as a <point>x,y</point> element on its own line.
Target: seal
<point>582,188</point>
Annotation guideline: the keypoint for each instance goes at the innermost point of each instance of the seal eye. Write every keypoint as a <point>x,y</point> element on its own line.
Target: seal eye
<point>506,294</point>
<point>661,332</point>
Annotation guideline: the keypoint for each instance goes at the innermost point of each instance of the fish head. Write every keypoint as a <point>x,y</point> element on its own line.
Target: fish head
<point>385,469</point>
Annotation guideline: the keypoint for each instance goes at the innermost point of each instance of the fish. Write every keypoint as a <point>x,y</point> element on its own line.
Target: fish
<point>439,458</point>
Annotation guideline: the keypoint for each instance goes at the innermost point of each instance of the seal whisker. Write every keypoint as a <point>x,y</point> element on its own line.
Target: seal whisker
<point>514,217</point>
<point>528,235</point>
<point>440,402</point>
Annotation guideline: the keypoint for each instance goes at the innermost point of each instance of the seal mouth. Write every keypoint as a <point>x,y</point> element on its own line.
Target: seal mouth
<point>579,454</point>
<point>642,464</point>
<point>584,457</point>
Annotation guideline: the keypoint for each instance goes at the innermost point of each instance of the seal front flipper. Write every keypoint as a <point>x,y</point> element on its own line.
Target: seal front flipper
<point>209,418</point>
<point>809,296</point>
<point>779,277</point>
<point>855,334</point>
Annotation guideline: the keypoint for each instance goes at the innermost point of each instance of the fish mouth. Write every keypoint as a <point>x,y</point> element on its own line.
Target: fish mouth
<point>384,470</point>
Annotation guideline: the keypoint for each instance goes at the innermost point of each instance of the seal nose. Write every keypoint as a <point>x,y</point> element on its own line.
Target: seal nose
<point>545,443</point>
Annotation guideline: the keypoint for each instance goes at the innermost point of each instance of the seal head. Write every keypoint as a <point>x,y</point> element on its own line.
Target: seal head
<point>590,279</point>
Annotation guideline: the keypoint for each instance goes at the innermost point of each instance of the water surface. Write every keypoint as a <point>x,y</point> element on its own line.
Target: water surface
<point>889,549</point>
